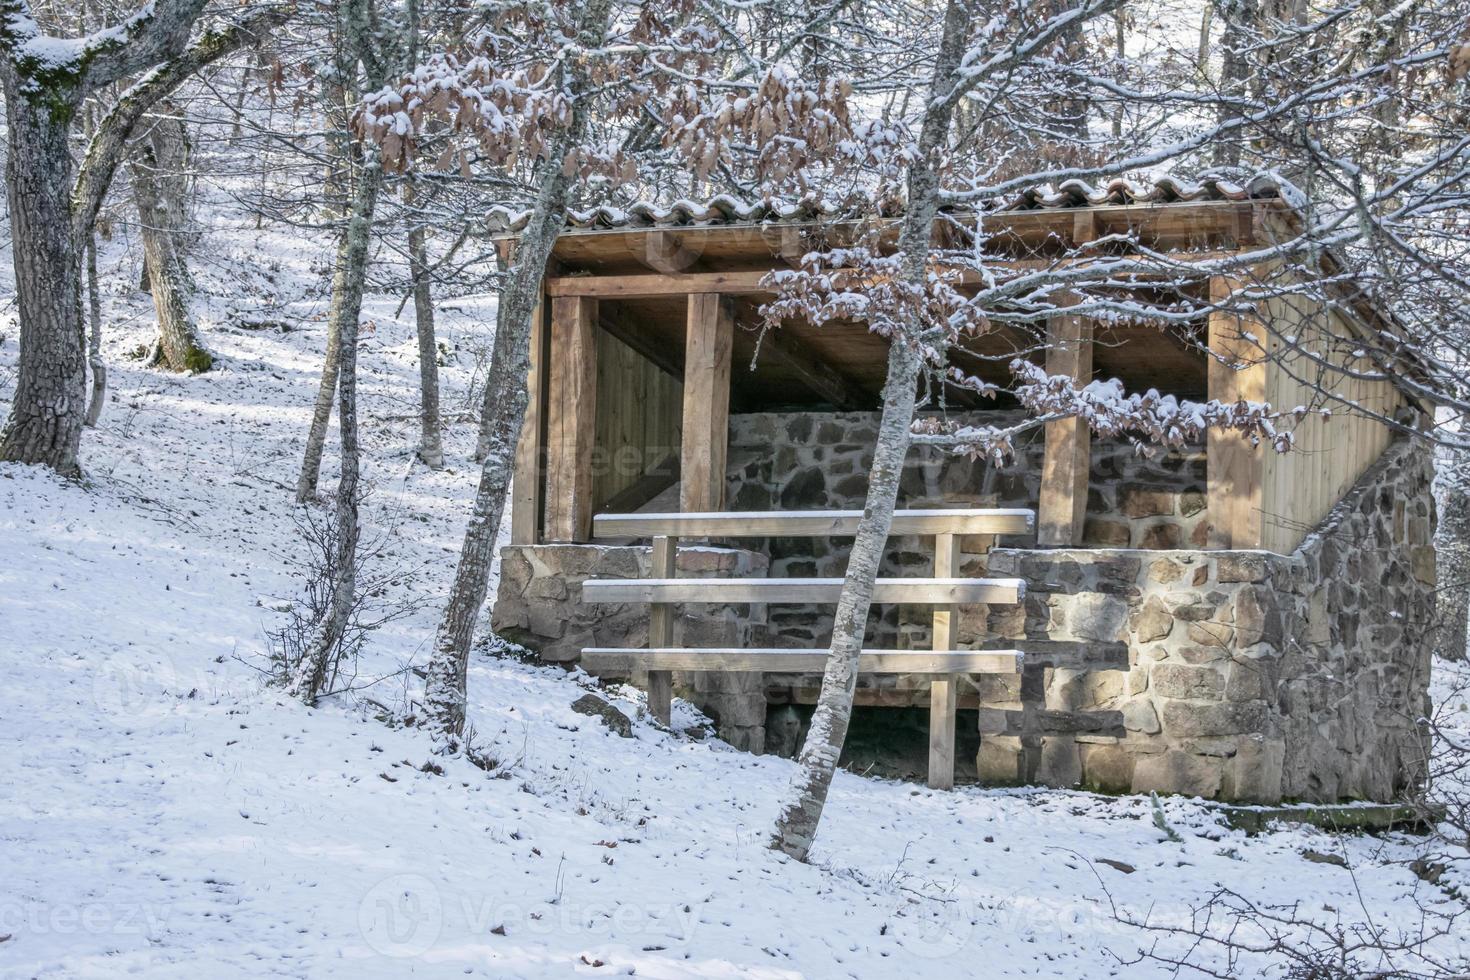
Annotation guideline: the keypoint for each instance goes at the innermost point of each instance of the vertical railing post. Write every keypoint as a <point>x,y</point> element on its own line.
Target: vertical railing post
<point>661,631</point>
<point>943,687</point>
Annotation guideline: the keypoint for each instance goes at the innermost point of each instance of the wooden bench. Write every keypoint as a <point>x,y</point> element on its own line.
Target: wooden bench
<point>944,591</point>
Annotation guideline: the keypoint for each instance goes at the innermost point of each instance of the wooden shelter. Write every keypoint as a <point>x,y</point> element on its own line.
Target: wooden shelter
<point>647,343</point>
<point>1158,624</point>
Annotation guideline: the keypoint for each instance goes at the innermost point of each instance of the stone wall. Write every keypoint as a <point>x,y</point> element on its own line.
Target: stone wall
<point>1253,676</point>
<point>539,605</point>
<point>816,460</point>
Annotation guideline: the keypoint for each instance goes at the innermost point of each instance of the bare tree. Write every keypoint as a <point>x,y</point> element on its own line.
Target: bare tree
<point>51,214</point>
<point>158,166</point>
<point>359,45</point>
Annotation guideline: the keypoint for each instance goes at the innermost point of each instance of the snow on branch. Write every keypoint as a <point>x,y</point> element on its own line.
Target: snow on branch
<point>1111,412</point>
<point>511,114</point>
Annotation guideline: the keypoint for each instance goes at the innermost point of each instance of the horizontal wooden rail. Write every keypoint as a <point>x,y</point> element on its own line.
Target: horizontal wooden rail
<point>810,524</point>
<point>917,591</point>
<point>627,659</point>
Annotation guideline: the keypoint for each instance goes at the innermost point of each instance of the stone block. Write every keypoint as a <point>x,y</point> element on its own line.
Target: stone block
<point>1139,716</point>
<point>1000,760</point>
<point>1165,571</point>
<point>1094,616</point>
<point>1143,501</point>
<point>1106,534</point>
<point>1241,568</point>
<point>1107,768</point>
<point>1186,682</point>
<point>1193,719</point>
<point>1190,606</point>
<point>1061,762</point>
<point>1246,681</point>
<point>1210,634</point>
<point>1160,536</point>
<point>547,588</point>
<point>1153,621</point>
<point>1256,772</point>
<point>1257,619</point>
<point>1201,655</point>
<point>549,621</point>
<point>1422,561</point>
<point>1178,772</point>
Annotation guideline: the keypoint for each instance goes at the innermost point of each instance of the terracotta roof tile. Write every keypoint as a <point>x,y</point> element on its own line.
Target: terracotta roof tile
<point>726,210</point>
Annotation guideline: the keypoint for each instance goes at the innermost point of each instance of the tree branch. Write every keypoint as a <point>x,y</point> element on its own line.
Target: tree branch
<point>106,150</point>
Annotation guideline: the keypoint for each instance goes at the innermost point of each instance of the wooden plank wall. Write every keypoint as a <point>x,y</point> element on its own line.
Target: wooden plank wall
<point>1302,486</point>
<point>638,413</point>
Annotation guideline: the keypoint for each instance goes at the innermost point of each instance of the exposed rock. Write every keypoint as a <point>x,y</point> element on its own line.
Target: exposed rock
<point>595,707</point>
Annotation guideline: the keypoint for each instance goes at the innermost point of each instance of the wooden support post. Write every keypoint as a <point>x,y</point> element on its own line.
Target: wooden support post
<point>1067,464</point>
<point>1235,468</point>
<point>571,418</point>
<point>943,688</point>
<point>661,631</point>
<point>529,480</point>
<point>707,350</point>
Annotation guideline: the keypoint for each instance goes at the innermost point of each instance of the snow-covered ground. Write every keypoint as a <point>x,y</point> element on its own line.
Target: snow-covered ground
<point>166,814</point>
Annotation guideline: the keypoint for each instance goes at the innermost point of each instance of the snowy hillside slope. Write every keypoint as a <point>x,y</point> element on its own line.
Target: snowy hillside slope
<point>166,814</point>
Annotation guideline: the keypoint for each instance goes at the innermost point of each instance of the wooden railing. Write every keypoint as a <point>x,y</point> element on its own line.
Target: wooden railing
<point>945,591</point>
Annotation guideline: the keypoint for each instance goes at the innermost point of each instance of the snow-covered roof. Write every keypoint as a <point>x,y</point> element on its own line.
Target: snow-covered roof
<point>727,210</point>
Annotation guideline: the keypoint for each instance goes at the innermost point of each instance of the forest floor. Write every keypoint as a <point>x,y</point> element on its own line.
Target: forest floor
<point>166,813</point>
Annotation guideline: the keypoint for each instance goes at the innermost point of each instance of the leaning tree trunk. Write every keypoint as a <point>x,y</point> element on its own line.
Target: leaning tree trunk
<point>156,169</point>
<point>319,659</point>
<point>337,179</point>
<point>50,404</point>
<point>431,449</point>
<point>94,337</point>
<point>321,414</point>
<point>796,827</point>
<point>505,410</point>
<point>1452,556</point>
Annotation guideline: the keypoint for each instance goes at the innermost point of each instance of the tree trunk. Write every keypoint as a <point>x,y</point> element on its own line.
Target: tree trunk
<point>796,827</point>
<point>431,449</point>
<point>1452,555</point>
<point>336,202</point>
<point>319,659</point>
<point>505,409</point>
<point>1235,43</point>
<point>49,409</point>
<point>161,198</point>
<point>321,414</point>
<point>94,337</point>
